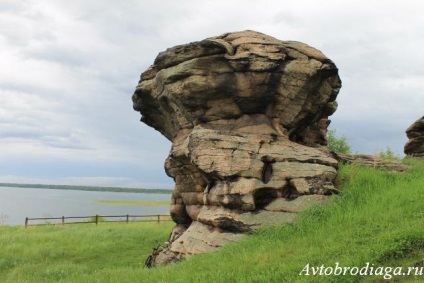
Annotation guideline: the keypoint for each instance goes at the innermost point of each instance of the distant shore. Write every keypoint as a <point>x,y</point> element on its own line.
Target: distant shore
<point>87,188</point>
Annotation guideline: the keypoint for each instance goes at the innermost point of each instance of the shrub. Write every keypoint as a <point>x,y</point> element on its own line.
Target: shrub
<point>388,154</point>
<point>337,144</point>
<point>98,217</point>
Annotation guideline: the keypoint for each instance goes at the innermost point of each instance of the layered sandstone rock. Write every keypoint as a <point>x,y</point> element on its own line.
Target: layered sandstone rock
<point>247,116</point>
<point>415,145</point>
<point>371,161</point>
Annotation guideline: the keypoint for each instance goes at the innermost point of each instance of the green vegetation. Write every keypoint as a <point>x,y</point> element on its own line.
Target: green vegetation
<point>388,154</point>
<point>337,144</point>
<point>378,218</point>
<point>77,253</point>
<point>135,202</point>
<point>87,188</point>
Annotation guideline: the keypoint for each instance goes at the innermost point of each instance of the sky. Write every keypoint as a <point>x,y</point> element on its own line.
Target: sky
<point>68,70</point>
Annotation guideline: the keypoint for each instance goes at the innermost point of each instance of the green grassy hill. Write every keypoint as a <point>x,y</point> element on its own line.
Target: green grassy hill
<point>378,219</point>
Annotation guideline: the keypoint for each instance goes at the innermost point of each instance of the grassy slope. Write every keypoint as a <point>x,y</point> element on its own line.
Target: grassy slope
<point>378,219</point>
<point>73,252</point>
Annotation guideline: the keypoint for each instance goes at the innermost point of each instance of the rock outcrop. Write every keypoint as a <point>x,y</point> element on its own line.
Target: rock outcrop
<point>247,115</point>
<point>371,161</point>
<point>415,145</point>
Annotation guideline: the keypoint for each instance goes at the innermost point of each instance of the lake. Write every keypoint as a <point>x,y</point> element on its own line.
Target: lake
<point>18,203</point>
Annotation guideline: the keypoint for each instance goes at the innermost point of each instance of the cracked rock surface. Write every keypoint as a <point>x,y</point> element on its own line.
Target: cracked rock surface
<point>415,145</point>
<point>247,115</point>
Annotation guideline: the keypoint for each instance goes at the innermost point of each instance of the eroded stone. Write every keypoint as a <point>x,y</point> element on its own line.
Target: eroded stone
<point>247,115</point>
<point>415,145</point>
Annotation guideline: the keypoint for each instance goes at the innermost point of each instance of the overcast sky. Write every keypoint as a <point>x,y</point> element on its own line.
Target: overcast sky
<point>68,70</point>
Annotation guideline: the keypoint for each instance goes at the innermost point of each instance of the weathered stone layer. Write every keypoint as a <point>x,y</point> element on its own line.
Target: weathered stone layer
<point>247,115</point>
<point>371,161</point>
<point>415,145</point>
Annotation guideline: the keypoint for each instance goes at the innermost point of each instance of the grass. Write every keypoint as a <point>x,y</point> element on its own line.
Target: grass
<point>132,202</point>
<point>72,252</point>
<point>379,219</point>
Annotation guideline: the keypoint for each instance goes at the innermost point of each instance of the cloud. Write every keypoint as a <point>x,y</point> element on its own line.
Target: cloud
<point>69,69</point>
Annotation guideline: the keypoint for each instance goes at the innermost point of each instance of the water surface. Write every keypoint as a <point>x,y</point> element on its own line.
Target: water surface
<point>18,203</point>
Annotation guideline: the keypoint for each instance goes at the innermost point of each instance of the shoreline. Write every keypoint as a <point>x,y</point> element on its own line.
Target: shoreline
<point>87,188</point>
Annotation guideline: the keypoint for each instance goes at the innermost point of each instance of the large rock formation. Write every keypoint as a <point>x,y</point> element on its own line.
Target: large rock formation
<point>415,145</point>
<point>247,116</point>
